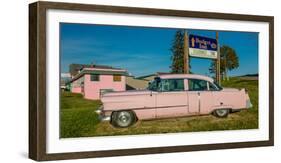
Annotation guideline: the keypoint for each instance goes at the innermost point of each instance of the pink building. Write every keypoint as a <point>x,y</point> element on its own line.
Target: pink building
<point>92,82</point>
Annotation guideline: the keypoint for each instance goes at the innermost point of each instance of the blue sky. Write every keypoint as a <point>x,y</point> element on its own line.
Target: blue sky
<point>144,50</point>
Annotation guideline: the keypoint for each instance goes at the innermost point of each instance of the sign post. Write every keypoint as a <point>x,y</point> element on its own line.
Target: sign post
<point>186,53</point>
<point>218,74</point>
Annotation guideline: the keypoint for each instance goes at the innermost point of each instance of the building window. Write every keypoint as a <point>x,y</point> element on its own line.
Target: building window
<point>95,77</point>
<point>116,78</point>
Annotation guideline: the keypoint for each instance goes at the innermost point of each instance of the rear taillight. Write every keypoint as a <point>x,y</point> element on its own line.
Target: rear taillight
<point>248,104</point>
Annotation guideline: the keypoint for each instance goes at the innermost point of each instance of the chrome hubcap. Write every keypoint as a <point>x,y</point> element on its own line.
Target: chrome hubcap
<point>221,112</point>
<point>124,118</point>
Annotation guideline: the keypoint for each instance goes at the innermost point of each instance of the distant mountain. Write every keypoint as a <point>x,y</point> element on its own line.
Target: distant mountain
<point>249,75</point>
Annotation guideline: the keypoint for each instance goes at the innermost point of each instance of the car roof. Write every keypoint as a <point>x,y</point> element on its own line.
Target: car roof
<point>186,76</point>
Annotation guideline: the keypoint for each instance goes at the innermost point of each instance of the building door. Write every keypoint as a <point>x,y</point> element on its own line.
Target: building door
<point>82,88</point>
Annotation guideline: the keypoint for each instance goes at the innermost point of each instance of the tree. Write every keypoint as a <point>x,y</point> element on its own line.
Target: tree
<point>177,65</point>
<point>228,61</point>
<point>177,49</point>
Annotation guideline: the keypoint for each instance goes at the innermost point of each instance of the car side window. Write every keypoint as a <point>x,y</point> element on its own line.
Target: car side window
<point>152,86</point>
<point>168,85</point>
<point>197,85</point>
<point>212,87</point>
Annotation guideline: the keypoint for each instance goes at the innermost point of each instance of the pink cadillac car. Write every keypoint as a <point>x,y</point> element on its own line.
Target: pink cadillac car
<point>172,95</point>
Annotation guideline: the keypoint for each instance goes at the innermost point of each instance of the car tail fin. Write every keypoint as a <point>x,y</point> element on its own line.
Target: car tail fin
<point>244,89</point>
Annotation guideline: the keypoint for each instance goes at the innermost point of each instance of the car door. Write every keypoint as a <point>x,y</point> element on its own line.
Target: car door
<point>171,100</point>
<point>200,99</point>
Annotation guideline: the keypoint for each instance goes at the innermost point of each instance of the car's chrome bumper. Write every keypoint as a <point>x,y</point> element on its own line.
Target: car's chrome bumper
<point>102,116</point>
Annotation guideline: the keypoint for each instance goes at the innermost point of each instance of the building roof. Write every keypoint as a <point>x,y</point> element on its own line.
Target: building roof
<point>151,75</point>
<point>101,71</point>
<point>74,68</point>
<point>134,83</point>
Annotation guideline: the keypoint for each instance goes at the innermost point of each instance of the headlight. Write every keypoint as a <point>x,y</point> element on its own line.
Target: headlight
<point>99,110</point>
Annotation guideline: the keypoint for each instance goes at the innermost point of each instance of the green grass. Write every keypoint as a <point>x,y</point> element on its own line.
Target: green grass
<point>78,117</point>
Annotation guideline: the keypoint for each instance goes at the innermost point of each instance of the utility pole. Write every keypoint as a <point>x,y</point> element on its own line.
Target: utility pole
<point>218,74</point>
<point>186,53</point>
<point>225,67</point>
